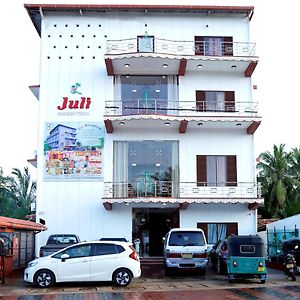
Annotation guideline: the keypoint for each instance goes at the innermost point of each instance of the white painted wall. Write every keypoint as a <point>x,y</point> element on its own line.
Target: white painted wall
<point>75,206</point>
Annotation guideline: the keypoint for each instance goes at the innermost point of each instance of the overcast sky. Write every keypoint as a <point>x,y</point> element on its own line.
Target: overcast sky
<point>274,28</point>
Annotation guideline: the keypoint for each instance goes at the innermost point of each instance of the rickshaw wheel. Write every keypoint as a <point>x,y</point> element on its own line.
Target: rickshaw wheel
<point>263,281</point>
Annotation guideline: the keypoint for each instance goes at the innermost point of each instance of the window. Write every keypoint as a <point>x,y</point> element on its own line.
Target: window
<point>147,94</point>
<point>216,170</point>
<point>106,249</point>
<point>218,231</point>
<point>74,252</point>
<point>148,168</point>
<point>186,238</point>
<point>213,46</point>
<point>215,101</point>
<point>247,249</point>
<point>145,43</point>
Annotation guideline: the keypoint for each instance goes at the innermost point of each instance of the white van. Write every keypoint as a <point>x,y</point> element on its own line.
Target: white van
<point>185,248</point>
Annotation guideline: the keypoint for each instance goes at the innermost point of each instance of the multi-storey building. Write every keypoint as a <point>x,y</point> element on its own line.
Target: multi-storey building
<point>168,89</point>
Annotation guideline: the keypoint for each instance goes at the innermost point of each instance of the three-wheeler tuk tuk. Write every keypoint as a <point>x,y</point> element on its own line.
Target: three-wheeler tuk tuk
<point>246,257</point>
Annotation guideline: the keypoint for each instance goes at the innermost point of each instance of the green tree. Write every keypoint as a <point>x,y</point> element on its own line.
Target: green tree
<point>276,179</point>
<point>17,192</point>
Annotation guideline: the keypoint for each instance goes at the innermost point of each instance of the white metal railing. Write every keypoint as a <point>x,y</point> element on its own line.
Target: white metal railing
<point>156,45</point>
<point>178,108</point>
<point>181,190</point>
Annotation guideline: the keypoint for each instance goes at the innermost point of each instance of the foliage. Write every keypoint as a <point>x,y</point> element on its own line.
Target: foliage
<point>17,192</point>
<point>279,174</point>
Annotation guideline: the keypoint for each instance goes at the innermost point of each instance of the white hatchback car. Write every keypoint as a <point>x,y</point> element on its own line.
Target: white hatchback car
<point>88,261</point>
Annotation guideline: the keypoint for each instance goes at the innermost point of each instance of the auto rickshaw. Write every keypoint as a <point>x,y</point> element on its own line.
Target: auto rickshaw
<point>246,257</point>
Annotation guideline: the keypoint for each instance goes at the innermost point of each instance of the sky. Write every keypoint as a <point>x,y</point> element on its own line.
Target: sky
<point>274,28</point>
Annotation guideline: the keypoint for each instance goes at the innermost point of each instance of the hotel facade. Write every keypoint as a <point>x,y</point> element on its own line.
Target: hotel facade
<point>146,121</point>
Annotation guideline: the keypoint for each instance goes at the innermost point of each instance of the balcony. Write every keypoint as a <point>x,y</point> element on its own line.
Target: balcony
<point>149,55</point>
<point>156,113</point>
<point>182,193</point>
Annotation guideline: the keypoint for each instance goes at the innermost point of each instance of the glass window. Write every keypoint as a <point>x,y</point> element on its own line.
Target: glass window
<point>7,242</point>
<point>76,251</point>
<point>247,248</point>
<point>105,249</point>
<point>149,167</point>
<point>147,94</point>
<point>186,238</point>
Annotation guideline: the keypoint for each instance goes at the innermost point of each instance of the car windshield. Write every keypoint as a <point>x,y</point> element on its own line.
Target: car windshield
<point>186,238</point>
<point>62,239</point>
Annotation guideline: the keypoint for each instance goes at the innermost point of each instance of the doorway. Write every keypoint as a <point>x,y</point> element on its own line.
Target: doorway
<point>150,225</point>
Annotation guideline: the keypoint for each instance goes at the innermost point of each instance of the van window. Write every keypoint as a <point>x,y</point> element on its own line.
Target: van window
<point>186,238</point>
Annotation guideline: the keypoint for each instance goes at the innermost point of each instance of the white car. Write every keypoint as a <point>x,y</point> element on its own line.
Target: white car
<point>88,261</point>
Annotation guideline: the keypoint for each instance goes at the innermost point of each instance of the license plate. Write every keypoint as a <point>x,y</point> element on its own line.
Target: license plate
<point>290,266</point>
<point>260,269</point>
<point>186,255</point>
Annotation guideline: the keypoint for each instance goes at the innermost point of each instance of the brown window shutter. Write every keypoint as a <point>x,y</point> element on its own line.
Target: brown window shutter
<point>200,101</point>
<point>227,46</point>
<point>231,170</point>
<point>204,227</point>
<point>229,101</point>
<point>232,228</point>
<point>199,45</point>
<point>201,170</point>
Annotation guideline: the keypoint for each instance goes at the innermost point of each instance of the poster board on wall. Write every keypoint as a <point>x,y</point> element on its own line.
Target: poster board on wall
<point>73,151</point>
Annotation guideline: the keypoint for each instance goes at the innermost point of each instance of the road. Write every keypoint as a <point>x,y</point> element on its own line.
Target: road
<point>159,287</point>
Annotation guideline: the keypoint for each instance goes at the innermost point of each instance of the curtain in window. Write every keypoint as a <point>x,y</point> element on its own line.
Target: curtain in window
<point>216,232</point>
<point>175,169</point>
<point>221,230</point>
<point>120,177</point>
<point>216,170</point>
<point>220,101</point>
<point>117,92</point>
<point>172,101</point>
<point>212,233</point>
<point>213,46</point>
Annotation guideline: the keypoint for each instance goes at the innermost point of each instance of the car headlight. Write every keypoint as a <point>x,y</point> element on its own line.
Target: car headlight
<point>32,264</point>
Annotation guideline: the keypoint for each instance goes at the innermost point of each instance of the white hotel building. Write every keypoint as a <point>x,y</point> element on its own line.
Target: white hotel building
<point>159,100</point>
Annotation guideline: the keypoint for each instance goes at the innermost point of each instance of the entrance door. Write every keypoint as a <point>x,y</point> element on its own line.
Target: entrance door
<point>150,225</point>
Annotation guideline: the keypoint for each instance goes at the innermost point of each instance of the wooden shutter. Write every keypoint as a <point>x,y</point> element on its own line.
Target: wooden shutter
<point>232,228</point>
<point>231,170</point>
<point>204,227</point>
<point>200,101</point>
<point>201,170</point>
<point>227,46</point>
<point>199,45</point>
<point>229,101</point>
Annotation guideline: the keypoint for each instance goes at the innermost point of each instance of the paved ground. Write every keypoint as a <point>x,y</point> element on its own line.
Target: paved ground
<point>159,287</point>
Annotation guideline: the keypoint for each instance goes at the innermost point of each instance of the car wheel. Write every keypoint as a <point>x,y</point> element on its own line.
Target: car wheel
<point>219,267</point>
<point>167,272</point>
<point>122,277</point>
<point>44,278</point>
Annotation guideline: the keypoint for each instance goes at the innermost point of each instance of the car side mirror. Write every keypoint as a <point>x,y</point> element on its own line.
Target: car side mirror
<point>64,257</point>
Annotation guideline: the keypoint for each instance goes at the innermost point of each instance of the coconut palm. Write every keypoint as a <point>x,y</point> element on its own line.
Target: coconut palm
<point>275,178</point>
<point>22,191</point>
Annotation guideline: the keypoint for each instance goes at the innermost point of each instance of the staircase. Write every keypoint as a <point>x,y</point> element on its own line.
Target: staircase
<point>152,267</point>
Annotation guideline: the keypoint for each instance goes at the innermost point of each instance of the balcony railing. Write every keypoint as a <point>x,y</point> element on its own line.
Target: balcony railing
<point>181,190</point>
<point>181,108</point>
<point>163,46</point>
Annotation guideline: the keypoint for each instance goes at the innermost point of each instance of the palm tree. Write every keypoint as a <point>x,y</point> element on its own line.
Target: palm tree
<point>275,178</point>
<point>23,192</point>
<point>6,207</point>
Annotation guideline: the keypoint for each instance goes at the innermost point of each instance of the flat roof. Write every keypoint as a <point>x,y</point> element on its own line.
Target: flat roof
<point>36,11</point>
